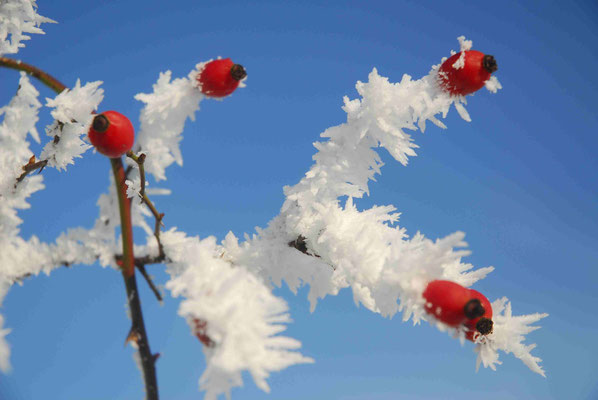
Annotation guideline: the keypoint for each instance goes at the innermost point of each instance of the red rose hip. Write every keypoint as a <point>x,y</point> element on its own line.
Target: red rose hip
<point>451,303</point>
<point>220,78</point>
<point>461,77</point>
<point>482,324</point>
<point>112,134</point>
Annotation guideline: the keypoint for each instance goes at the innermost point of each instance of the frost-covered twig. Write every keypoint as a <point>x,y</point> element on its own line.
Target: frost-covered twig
<point>240,320</point>
<point>386,269</point>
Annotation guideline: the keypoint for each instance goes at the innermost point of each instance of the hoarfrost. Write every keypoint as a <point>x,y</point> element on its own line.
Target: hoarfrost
<point>18,17</point>
<point>73,115</point>
<point>243,317</point>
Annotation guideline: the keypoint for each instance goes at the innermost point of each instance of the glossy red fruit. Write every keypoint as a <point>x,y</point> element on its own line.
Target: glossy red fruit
<point>220,78</point>
<point>482,324</point>
<point>112,134</point>
<point>469,77</point>
<point>451,303</point>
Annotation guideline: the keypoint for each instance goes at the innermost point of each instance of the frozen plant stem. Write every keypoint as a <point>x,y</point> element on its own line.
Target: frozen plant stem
<point>128,270</point>
<point>49,81</point>
<point>140,160</point>
<point>44,77</point>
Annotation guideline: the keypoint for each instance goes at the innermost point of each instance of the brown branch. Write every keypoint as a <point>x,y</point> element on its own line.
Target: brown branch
<point>43,76</point>
<point>140,160</point>
<point>31,166</point>
<point>128,271</point>
<point>301,245</point>
<point>150,282</point>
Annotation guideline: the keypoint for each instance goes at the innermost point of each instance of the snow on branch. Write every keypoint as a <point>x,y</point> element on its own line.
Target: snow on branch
<point>163,120</point>
<point>243,317</point>
<point>20,116</point>
<point>508,336</point>
<point>366,250</point>
<point>18,17</point>
<point>4,347</point>
<point>72,113</point>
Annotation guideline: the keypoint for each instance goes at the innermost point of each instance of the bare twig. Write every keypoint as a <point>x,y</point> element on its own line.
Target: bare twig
<point>140,160</point>
<point>43,76</point>
<point>150,282</point>
<point>31,166</point>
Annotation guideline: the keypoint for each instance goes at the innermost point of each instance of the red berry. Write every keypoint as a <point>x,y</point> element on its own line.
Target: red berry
<point>482,324</point>
<point>201,328</point>
<point>451,303</point>
<point>470,76</point>
<point>220,78</point>
<point>112,134</point>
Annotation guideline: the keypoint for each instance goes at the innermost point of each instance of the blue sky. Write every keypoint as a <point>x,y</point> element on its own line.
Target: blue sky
<point>520,180</point>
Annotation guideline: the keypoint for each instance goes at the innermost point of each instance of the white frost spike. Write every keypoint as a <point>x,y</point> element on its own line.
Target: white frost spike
<point>4,348</point>
<point>508,335</point>
<point>72,114</point>
<point>493,85</point>
<point>462,111</point>
<point>18,17</point>
<point>163,120</point>
<point>243,317</point>
<point>134,188</point>
<point>20,116</point>
<point>460,63</point>
<point>464,44</point>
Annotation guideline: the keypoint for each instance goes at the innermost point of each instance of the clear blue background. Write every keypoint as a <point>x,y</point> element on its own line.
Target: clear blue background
<point>520,180</point>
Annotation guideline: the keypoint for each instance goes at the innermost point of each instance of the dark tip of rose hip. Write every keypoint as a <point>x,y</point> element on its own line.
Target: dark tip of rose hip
<point>489,63</point>
<point>238,72</point>
<point>484,326</point>
<point>474,309</point>
<point>100,123</point>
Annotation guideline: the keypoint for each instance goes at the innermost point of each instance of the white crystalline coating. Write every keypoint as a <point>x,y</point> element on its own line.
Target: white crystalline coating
<point>133,187</point>
<point>20,258</point>
<point>73,115</point>
<point>464,44</point>
<point>460,63</point>
<point>18,17</point>
<point>226,285</point>
<point>20,116</point>
<point>461,109</point>
<point>493,85</point>
<point>508,335</point>
<point>163,117</point>
<point>4,348</point>
<point>364,250</point>
<point>243,317</point>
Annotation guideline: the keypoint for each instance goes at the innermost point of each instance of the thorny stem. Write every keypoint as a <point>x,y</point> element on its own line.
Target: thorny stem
<point>128,269</point>
<point>128,259</point>
<point>44,77</point>
<point>140,160</point>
